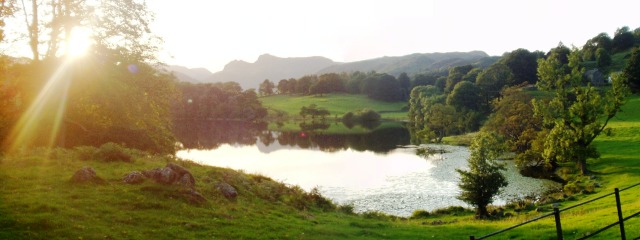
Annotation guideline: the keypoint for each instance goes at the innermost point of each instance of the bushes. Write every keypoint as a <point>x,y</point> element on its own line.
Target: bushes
<point>363,117</point>
<point>108,152</point>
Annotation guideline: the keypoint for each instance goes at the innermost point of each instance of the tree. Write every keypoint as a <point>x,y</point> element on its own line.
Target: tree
<point>465,95</point>
<point>483,180</point>
<point>493,79</point>
<point>283,87</point>
<point>513,119</point>
<point>266,88</point>
<point>576,114</point>
<point>632,70</point>
<point>405,85</point>
<point>456,74</point>
<point>117,24</point>
<point>602,40</point>
<point>523,65</point>
<point>7,8</point>
<point>603,59</point>
<point>623,39</point>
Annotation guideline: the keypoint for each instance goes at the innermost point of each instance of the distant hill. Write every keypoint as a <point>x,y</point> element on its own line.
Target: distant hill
<point>415,63</point>
<point>250,75</point>
<point>193,75</point>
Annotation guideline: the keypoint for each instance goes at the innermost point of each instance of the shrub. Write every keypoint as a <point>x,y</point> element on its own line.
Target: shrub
<point>417,214</point>
<point>347,208</point>
<point>85,153</point>
<point>112,152</point>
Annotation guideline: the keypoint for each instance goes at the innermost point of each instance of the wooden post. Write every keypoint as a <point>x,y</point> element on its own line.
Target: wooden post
<point>620,218</point>
<point>556,214</point>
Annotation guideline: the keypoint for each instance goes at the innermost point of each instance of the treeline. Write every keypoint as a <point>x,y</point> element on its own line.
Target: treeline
<point>557,125</point>
<point>217,101</point>
<point>379,86</point>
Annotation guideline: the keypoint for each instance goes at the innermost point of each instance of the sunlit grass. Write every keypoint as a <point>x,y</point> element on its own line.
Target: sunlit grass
<point>337,104</point>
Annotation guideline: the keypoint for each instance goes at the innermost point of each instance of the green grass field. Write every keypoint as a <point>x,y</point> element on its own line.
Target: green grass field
<point>37,201</point>
<point>337,104</point>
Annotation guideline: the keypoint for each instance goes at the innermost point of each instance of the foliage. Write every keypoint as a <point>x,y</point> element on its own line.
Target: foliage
<point>266,88</point>
<point>483,180</point>
<point>112,152</point>
<point>492,80</point>
<point>632,70</point>
<point>314,111</point>
<point>603,59</point>
<point>523,65</point>
<point>513,119</point>
<point>465,95</point>
<point>206,101</point>
<point>623,39</point>
<point>362,117</point>
<point>576,114</point>
<point>456,74</point>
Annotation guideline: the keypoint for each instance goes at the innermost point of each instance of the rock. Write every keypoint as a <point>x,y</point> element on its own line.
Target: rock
<point>187,180</point>
<point>167,176</point>
<point>134,177</point>
<point>194,197</point>
<point>227,190</point>
<point>85,174</point>
<point>172,174</point>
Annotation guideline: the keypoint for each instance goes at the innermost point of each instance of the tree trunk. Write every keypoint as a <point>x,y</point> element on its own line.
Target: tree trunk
<point>481,212</point>
<point>582,164</point>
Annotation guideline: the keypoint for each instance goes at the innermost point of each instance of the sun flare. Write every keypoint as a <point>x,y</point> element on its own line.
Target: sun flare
<point>79,42</point>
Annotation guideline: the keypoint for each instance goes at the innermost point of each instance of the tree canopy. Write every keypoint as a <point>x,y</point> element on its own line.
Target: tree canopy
<point>576,114</point>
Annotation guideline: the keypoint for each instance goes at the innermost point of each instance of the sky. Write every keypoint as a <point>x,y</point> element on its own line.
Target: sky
<point>203,33</point>
<point>211,33</point>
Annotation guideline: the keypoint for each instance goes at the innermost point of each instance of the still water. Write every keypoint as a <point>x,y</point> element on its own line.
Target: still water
<point>388,176</point>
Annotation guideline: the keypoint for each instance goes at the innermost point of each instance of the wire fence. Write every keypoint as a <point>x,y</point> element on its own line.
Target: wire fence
<point>557,218</point>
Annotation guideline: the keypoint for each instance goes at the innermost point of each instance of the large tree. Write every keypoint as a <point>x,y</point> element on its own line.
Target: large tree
<point>117,24</point>
<point>632,70</point>
<point>523,65</point>
<point>483,180</point>
<point>576,114</point>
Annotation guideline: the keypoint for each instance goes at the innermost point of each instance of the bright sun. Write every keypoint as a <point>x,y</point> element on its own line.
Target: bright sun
<point>80,41</point>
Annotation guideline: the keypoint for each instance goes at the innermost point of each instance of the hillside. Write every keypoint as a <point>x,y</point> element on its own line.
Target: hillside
<point>192,75</point>
<point>415,63</point>
<point>250,75</point>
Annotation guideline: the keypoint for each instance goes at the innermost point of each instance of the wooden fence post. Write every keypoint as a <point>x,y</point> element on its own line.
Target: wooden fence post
<point>556,214</point>
<point>620,218</point>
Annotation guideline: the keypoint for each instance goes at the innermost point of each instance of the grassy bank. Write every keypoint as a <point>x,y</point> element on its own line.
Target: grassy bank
<point>337,104</point>
<point>38,201</point>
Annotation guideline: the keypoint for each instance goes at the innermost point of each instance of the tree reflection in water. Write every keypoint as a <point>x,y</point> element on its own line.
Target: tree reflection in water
<point>212,134</point>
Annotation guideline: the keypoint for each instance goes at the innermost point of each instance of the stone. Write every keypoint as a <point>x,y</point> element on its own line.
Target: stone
<point>134,177</point>
<point>85,174</point>
<point>227,190</point>
<point>187,180</point>
<point>172,174</point>
<point>194,197</point>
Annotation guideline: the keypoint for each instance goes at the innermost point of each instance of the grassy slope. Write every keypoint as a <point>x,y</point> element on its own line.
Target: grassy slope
<point>38,202</point>
<point>337,104</point>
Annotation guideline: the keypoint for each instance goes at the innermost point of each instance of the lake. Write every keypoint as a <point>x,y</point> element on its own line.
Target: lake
<point>374,171</point>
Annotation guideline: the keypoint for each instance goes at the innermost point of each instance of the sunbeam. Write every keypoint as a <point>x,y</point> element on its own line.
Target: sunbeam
<point>53,93</point>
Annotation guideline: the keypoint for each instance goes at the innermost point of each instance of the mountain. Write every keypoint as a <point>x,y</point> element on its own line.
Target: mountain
<point>193,75</point>
<point>414,63</point>
<point>250,75</point>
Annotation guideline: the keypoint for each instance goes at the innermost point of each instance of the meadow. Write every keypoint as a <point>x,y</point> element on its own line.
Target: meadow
<point>38,200</point>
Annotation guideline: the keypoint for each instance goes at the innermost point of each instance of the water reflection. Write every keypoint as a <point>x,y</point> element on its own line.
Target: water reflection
<point>375,171</point>
<point>212,134</point>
